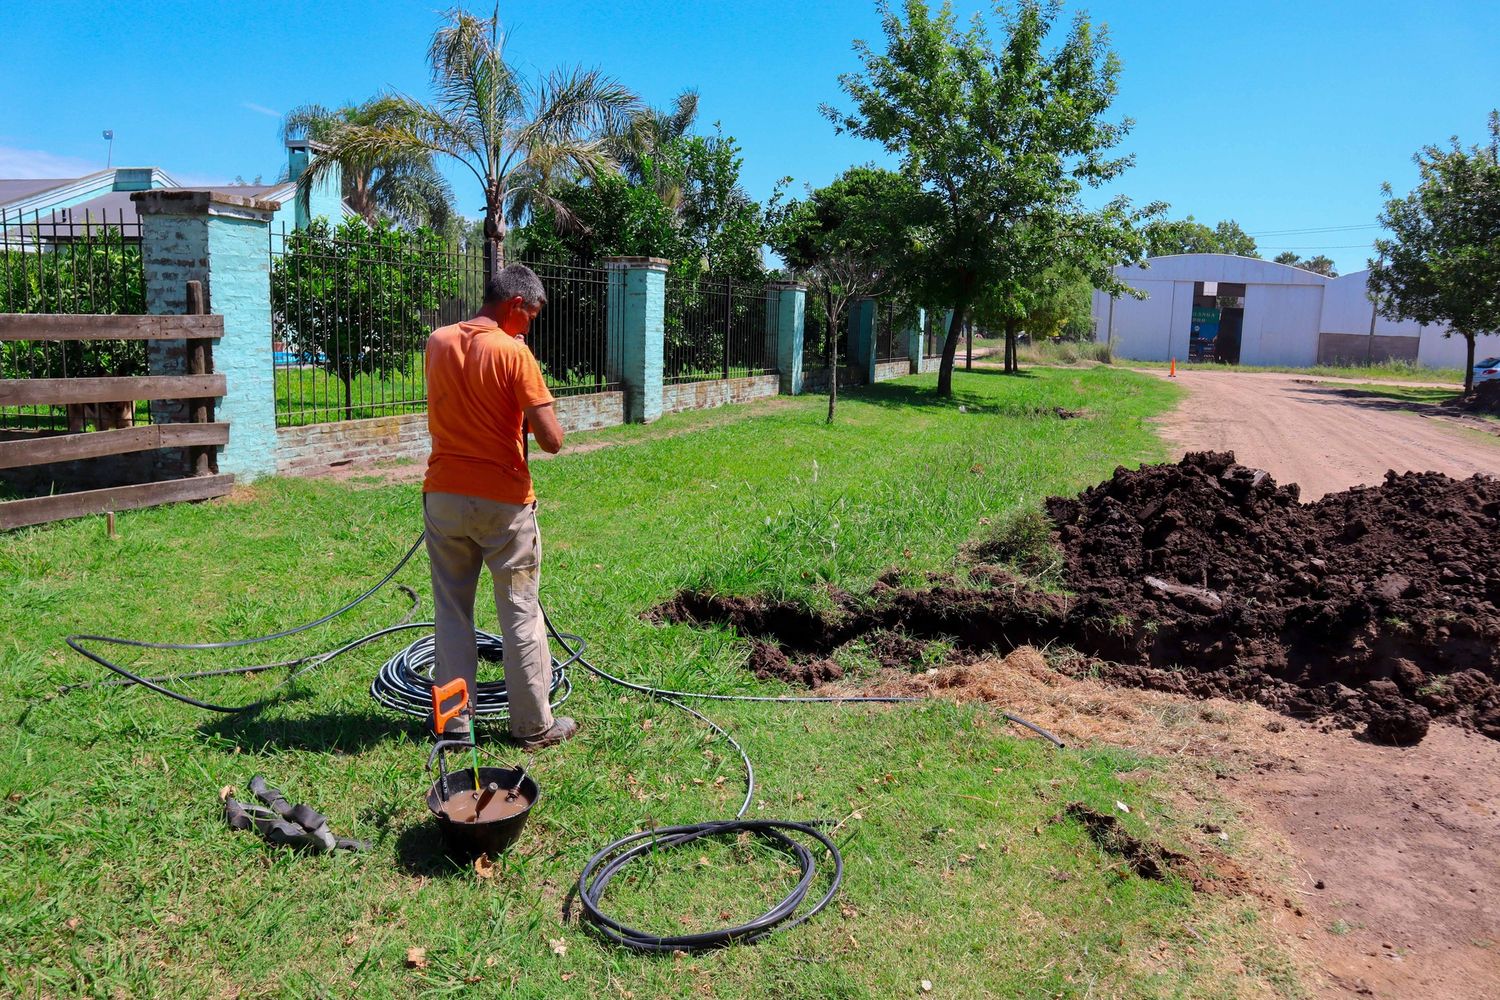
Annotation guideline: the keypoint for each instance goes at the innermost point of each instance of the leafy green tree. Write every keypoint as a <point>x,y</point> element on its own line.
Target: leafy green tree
<point>1441,263</point>
<point>846,240</point>
<point>1174,236</point>
<point>400,185</point>
<point>1005,139</point>
<point>99,274</point>
<point>353,300</point>
<point>517,137</point>
<point>1320,264</point>
<point>711,227</point>
<point>646,135</point>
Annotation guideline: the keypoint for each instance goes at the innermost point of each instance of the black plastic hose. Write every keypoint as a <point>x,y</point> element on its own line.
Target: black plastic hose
<point>404,684</point>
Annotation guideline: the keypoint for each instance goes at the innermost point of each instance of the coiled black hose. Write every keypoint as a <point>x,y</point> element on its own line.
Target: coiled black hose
<point>404,684</point>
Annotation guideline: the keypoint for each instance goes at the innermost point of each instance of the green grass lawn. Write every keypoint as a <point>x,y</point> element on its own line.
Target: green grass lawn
<point>1396,371</point>
<point>117,876</point>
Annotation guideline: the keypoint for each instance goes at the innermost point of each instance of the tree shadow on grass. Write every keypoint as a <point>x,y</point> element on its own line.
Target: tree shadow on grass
<point>323,732</point>
<point>906,395</point>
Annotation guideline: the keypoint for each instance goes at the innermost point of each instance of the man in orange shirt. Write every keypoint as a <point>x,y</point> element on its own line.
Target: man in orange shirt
<point>484,388</point>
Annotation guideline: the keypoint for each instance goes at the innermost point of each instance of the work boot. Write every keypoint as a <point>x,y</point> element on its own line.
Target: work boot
<point>563,728</point>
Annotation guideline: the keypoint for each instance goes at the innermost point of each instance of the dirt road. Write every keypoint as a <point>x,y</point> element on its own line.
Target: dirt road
<point>1319,433</point>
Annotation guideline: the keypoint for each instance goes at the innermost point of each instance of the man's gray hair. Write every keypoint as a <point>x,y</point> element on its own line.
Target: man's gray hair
<point>513,280</point>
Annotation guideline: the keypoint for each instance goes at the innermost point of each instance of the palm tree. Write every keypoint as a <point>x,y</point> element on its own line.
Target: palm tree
<point>517,137</point>
<point>404,187</point>
<point>646,134</point>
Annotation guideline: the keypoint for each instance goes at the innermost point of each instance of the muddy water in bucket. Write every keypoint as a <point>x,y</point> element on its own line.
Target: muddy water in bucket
<point>500,818</point>
<point>491,807</point>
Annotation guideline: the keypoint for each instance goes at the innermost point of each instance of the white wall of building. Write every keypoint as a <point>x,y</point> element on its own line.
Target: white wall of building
<point>1286,310</point>
<point>1281,325</point>
<point>1436,351</point>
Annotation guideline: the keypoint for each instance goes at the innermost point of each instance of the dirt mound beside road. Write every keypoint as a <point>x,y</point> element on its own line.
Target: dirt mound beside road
<point>1486,399</point>
<point>1376,606</point>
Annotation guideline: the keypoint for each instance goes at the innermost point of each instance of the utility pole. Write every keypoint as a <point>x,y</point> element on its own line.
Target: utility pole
<point>109,157</point>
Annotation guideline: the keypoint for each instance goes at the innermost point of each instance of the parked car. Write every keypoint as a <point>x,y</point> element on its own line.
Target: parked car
<point>1487,370</point>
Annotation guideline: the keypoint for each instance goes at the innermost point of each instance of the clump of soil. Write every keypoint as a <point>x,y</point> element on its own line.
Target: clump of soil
<point>1146,859</point>
<point>1485,399</point>
<point>1376,606</point>
<point>1212,873</point>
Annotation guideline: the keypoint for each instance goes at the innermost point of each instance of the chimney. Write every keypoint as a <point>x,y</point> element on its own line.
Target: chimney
<point>323,199</point>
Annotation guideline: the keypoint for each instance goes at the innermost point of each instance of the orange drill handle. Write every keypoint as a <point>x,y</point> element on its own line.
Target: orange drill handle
<point>457,687</point>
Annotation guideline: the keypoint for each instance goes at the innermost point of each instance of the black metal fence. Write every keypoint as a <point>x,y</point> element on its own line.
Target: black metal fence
<point>352,309</point>
<point>717,329</point>
<point>71,262</point>
<point>933,334</point>
<point>889,343</point>
<point>815,337</point>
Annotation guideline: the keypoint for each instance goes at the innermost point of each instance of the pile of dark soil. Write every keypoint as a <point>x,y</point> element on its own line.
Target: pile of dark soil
<point>1485,399</point>
<point>1375,607</point>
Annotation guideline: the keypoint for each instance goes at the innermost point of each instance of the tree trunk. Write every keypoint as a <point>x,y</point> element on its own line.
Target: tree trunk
<point>494,238</point>
<point>950,349</point>
<point>1469,368</point>
<point>1012,361</point>
<point>833,356</point>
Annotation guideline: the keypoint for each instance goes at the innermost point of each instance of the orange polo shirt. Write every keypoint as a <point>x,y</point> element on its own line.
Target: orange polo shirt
<point>480,381</point>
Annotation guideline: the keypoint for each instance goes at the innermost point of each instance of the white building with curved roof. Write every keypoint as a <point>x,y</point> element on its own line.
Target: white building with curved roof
<point>1212,306</point>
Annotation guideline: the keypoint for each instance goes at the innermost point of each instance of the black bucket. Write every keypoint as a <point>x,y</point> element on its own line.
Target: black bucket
<point>472,838</point>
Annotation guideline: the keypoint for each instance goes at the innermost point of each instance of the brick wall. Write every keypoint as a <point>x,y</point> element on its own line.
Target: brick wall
<point>1355,348</point>
<point>816,379</point>
<point>301,450</point>
<point>706,395</point>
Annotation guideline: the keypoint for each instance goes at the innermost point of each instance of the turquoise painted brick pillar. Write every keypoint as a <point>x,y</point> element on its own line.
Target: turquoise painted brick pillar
<point>862,339</point>
<point>913,336</point>
<point>221,240</point>
<point>786,311</point>
<point>637,308</point>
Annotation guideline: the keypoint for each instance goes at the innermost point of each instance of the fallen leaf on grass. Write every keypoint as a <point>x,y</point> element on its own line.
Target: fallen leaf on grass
<point>484,867</point>
<point>559,946</point>
<point>226,792</point>
<point>349,939</point>
<point>1121,806</point>
<point>646,725</point>
<point>416,958</point>
<point>72,923</point>
<point>566,976</point>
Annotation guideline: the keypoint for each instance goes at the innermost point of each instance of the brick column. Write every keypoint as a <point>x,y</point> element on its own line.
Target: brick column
<point>637,307</point>
<point>914,345</point>
<point>789,302</point>
<point>221,240</point>
<point>862,339</point>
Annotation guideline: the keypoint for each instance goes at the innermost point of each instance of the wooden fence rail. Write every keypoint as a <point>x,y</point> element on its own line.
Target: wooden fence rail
<point>200,434</point>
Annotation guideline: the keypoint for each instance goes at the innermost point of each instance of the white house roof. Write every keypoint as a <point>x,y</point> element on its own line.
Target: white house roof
<point>1220,267</point>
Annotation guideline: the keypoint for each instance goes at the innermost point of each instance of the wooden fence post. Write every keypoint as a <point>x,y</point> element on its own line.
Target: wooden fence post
<point>202,461</point>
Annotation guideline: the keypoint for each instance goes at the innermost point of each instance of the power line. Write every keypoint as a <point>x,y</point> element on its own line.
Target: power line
<point>1316,229</point>
<point>1313,246</point>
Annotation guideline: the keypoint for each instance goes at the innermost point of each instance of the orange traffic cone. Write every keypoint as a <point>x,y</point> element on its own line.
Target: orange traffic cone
<point>1172,372</point>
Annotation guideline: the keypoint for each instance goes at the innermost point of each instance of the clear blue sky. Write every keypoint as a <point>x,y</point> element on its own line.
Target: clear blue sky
<point>1284,116</point>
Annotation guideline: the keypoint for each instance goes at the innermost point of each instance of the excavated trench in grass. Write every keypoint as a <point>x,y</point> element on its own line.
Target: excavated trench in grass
<point>1376,607</point>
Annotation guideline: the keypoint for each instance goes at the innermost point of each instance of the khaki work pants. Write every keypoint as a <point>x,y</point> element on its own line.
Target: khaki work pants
<point>464,533</point>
